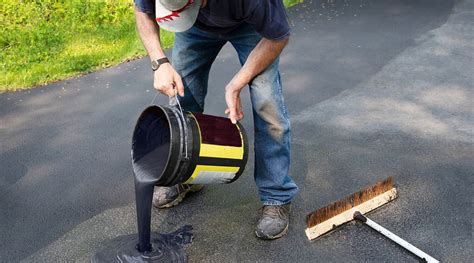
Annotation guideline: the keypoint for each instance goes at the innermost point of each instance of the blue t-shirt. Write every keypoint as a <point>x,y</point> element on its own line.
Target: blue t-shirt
<point>268,17</point>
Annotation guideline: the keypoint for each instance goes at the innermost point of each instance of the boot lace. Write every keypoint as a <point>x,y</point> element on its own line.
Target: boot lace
<point>274,211</point>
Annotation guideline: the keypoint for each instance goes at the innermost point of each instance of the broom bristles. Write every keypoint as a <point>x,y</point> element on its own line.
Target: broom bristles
<point>329,211</point>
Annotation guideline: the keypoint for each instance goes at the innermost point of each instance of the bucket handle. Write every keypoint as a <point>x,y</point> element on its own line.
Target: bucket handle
<point>174,102</point>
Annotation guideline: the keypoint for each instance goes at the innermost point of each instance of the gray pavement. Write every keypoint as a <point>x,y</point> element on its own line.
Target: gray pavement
<point>374,88</point>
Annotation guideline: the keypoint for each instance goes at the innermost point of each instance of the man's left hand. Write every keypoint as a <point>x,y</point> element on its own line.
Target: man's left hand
<point>234,106</point>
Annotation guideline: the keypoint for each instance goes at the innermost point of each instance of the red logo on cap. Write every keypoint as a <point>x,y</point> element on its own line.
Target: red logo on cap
<point>174,13</point>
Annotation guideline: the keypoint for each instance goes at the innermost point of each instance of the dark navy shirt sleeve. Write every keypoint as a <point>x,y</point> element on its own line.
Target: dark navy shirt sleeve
<point>146,6</point>
<point>269,19</point>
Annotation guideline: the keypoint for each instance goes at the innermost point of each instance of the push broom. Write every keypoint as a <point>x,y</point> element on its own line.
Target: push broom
<point>355,206</point>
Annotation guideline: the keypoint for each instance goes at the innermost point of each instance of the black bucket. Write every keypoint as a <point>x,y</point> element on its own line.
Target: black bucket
<point>170,146</point>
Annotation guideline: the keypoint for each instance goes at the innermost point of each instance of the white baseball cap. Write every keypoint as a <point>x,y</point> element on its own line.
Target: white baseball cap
<point>177,15</point>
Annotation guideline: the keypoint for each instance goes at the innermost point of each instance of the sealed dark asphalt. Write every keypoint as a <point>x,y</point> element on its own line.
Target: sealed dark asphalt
<point>374,88</point>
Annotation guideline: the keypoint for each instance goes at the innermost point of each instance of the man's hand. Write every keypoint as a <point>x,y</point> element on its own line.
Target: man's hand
<point>259,59</point>
<point>166,79</point>
<point>234,106</point>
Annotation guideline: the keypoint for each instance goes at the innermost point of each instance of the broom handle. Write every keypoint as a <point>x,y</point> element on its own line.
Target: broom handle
<point>394,238</point>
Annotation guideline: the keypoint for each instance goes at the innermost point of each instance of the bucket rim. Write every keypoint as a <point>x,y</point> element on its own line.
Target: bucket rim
<point>148,109</point>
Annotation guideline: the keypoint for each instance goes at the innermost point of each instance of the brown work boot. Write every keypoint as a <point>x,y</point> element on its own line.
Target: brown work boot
<point>274,221</point>
<point>165,197</point>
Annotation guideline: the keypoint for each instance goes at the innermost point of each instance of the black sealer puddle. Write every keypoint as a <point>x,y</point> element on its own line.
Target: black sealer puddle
<point>151,144</point>
<point>166,248</point>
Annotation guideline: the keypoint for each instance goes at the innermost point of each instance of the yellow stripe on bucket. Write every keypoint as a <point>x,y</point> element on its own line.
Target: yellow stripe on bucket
<point>209,174</point>
<point>220,151</point>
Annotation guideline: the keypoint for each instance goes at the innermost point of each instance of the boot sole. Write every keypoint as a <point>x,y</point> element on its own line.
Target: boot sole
<point>282,233</point>
<point>180,198</point>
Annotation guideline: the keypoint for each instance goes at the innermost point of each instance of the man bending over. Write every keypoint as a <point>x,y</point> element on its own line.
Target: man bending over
<point>258,30</point>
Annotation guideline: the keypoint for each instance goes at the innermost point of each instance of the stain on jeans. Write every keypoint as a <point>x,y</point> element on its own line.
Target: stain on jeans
<point>269,113</point>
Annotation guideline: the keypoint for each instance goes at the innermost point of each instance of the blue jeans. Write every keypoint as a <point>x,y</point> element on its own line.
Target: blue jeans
<point>193,54</point>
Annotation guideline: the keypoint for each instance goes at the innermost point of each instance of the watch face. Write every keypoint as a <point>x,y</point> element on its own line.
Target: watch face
<point>154,65</point>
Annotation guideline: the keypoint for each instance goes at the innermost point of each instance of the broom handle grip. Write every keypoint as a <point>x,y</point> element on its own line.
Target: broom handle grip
<point>400,241</point>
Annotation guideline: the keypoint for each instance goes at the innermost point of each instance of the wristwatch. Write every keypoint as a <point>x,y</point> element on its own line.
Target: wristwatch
<point>155,64</point>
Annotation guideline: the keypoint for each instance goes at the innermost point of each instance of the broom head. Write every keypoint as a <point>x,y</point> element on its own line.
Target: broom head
<point>340,212</point>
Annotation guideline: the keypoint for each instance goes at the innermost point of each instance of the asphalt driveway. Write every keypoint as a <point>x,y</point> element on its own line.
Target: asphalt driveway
<point>374,88</point>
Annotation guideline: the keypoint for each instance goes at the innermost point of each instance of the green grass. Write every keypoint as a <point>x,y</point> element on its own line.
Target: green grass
<point>289,3</point>
<point>42,41</point>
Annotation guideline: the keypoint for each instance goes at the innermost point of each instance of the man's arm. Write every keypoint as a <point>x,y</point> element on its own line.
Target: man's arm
<point>165,78</point>
<point>259,59</point>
